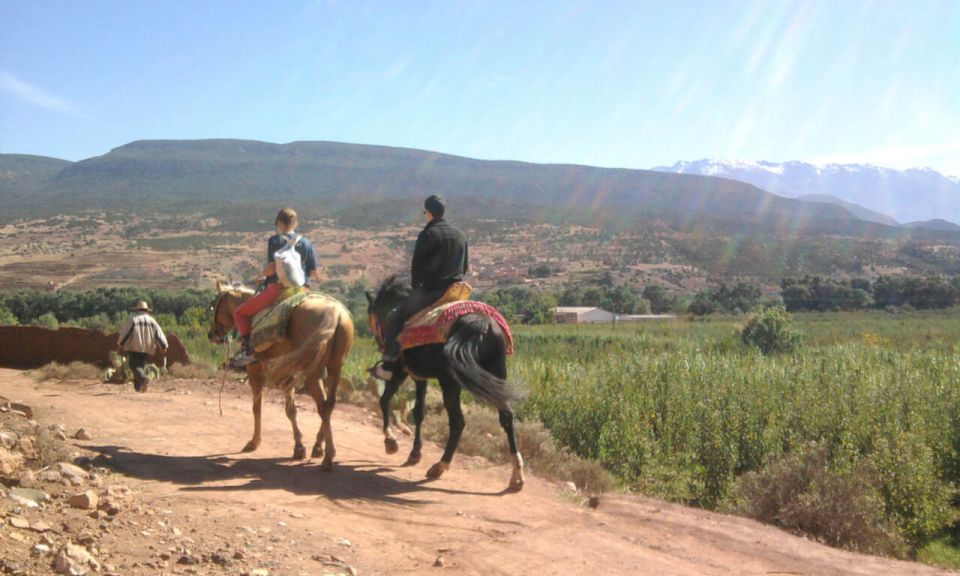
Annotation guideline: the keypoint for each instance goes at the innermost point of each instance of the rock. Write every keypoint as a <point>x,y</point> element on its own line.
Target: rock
<point>74,474</point>
<point>439,562</point>
<point>73,560</point>
<point>18,522</point>
<point>23,409</point>
<point>28,497</point>
<point>27,448</point>
<point>10,462</point>
<point>27,478</point>
<point>50,476</point>
<point>82,434</point>
<point>85,500</point>
<point>8,440</point>
<point>39,550</point>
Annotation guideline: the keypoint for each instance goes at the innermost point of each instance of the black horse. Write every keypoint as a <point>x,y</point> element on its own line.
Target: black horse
<point>474,357</point>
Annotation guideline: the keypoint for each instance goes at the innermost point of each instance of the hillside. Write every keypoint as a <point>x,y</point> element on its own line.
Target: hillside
<point>215,175</point>
<point>855,209</point>
<point>906,195</point>
<point>23,174</point>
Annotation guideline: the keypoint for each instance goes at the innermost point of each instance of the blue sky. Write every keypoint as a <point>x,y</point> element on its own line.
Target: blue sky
<point>630,84</point>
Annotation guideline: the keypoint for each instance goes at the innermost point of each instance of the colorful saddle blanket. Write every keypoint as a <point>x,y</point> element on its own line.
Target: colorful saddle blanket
<point>433,324</point>
<point>270,326</point>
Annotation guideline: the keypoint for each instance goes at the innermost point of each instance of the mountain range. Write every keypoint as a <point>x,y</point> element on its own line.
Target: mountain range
<point>371,185</point>
<point>914,196</point>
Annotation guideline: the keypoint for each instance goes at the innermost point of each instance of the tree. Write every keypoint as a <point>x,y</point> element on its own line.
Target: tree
<point>7,317</point>
<point>47,320</point>
<point>660,299</point>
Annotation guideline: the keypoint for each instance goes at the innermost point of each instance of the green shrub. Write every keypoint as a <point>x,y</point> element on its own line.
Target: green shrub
<point>71,371</point>
<point>771,331</point>
<point>804,492</point>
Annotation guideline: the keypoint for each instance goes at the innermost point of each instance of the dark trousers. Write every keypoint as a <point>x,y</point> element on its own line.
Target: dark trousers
<point>137,362</point>
<point>418,300</point>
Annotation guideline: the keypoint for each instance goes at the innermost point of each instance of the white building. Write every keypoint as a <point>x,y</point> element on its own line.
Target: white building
<point>582,315</point>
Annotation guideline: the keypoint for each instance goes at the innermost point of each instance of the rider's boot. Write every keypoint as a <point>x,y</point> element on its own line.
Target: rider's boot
<point>246,357</point>
<point>384,369</point>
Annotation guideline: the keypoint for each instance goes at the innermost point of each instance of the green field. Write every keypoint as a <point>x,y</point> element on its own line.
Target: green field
<point>854,437</point>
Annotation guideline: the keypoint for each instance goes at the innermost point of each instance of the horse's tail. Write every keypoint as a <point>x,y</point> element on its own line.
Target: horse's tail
<point>471,336</point>
<point>309,356</point>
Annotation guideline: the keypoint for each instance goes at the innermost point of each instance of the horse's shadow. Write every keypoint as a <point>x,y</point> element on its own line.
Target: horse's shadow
<point>357,480</point>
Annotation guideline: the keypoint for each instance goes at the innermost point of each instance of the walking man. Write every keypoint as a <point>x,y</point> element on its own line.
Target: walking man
<point>139,338</point>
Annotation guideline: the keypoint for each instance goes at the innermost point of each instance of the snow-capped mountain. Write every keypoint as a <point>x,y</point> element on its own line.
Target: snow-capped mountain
<point>906,195</point>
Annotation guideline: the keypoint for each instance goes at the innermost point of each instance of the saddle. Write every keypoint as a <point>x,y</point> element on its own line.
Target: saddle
<point>270,325</point>
<point>432,324</point>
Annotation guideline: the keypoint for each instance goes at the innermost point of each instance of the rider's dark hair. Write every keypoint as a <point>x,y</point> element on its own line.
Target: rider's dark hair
<point>434,205</point>
<point>287,216</point>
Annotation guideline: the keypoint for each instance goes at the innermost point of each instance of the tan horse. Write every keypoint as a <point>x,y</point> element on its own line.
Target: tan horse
<point>319,336</point>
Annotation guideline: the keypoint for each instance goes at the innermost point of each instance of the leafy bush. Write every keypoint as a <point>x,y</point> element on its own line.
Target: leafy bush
<point>71,371</point>
<point>771,331</point>
<point>803,492</point>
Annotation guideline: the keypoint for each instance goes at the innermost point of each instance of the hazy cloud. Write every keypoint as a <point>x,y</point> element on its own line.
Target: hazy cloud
<point>34,95</point>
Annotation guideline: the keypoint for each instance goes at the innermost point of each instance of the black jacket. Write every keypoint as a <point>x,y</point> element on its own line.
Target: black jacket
<point>440,257</point>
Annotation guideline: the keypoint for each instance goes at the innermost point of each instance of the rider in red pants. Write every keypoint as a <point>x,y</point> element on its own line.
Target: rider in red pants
<point>286,223</point>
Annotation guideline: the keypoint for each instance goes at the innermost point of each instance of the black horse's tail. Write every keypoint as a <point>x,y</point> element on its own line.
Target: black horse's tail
<point>473,339</point>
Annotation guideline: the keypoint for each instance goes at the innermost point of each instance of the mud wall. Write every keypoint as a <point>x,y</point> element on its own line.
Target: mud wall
<point>33,346</point>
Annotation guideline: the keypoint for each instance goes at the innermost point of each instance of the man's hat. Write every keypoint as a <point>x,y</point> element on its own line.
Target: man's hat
<point>141,306</point>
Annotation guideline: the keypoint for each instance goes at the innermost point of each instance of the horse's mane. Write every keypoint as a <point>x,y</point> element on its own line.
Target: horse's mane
<point>396,285</point>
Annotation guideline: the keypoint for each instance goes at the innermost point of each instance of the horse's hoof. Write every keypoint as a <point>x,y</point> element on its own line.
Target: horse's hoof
<point>437,470</point>
<point>413,459</point>
<point>299,452</point>
<point>317,451</point>
<point>251,446</point>
<point>391,445</point>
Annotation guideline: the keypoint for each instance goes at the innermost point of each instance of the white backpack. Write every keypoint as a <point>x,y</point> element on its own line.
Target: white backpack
<point>289,265</point>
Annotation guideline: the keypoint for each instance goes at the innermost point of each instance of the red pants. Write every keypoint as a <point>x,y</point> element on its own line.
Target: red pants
<point>244,312</point>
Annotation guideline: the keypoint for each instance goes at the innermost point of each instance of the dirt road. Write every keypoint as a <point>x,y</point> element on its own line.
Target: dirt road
<point>180,457</point>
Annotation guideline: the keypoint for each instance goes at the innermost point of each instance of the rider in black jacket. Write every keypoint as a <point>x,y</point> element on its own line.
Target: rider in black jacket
<point>440,259</point>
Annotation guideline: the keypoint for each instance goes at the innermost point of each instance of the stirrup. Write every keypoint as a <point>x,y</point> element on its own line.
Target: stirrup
<point>243,360</point>
<point>380,373</point>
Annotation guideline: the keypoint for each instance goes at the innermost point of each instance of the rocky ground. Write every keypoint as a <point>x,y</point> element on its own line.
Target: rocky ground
<point>99,480</point>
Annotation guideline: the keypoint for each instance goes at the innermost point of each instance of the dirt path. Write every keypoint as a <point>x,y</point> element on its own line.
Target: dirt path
<point>180,458</point>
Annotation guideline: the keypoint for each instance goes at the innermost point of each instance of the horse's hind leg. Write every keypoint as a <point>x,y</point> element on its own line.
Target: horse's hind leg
<point>419,409</point>
<point>451,401</point>
<point>498,367</point>
<point>331,382</point>
<point>290,407</point>
<point>506,422</point>
<point>316,392</point>
<point>256,388</point>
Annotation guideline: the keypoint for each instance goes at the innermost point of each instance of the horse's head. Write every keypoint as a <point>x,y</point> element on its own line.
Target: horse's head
<point>227,300</point>
<point>380,303</point>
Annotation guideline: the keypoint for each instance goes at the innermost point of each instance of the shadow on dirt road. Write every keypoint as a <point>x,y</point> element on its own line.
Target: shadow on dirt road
<point>360,480</point>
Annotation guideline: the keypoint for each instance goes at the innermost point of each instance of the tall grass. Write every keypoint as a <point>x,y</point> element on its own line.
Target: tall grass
<point>681,411</point>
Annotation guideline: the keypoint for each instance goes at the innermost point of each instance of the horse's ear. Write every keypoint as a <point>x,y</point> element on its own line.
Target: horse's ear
<point>370,296</point>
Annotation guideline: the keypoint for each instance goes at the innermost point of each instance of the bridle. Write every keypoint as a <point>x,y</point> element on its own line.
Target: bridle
<point>218,331</point>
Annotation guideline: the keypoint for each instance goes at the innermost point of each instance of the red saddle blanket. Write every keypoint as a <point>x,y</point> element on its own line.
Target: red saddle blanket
<point>432,326</point>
